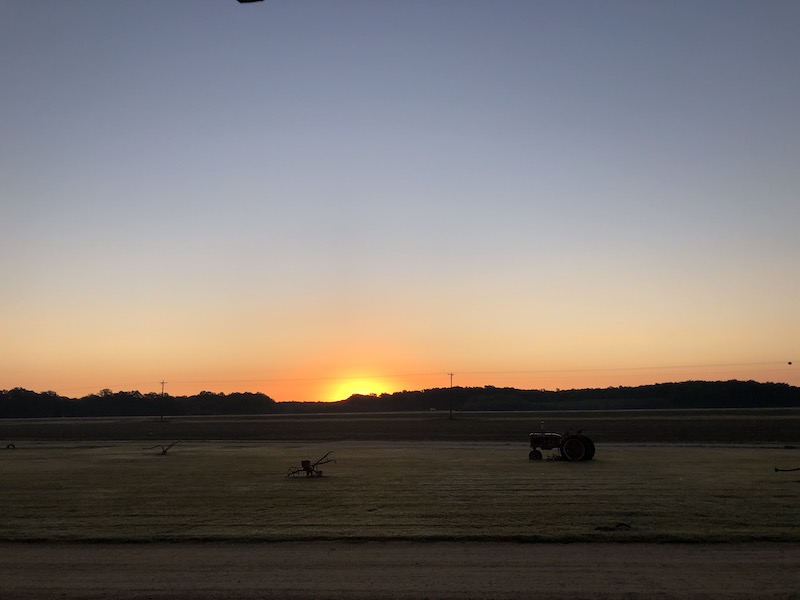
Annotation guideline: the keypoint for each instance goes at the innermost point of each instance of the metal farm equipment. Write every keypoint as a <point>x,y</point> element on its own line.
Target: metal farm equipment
<point>310,469</point>
<point>571,447</point>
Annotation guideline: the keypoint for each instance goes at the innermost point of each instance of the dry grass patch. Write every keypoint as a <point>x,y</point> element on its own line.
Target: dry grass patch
<point>238,491</point>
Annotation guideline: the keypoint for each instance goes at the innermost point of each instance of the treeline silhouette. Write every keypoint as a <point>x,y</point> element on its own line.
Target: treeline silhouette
<point>22,403</point>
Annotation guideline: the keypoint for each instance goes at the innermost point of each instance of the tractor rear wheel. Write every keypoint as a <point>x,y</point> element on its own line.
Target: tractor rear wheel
<point>589,447</point>
<point>535,455</point>
<point>573,448</point>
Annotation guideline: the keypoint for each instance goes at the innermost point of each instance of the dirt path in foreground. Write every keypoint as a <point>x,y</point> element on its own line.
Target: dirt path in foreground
<point>399,570</point>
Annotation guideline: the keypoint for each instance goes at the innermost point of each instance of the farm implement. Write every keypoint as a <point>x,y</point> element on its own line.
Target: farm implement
<point>571,447</point>
<point>310,469</point>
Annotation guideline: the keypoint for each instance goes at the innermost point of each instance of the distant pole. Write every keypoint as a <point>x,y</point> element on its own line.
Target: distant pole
<point>163,383</point>
<point>451,396</point>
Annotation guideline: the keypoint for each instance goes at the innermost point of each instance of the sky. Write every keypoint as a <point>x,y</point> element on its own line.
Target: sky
<point>316,198</point>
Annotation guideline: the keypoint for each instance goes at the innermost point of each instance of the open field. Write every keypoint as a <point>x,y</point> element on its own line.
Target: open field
<point>758,426</point>
<point>415,507</point>
<point>225,491</point>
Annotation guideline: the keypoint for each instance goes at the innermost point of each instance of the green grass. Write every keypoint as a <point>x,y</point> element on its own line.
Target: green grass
<point>395,490</point>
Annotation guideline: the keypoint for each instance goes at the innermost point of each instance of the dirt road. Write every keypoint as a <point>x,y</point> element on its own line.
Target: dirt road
<point>398,570</point>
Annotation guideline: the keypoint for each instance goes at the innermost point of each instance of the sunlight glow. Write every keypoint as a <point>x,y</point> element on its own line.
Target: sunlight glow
<point>341,389</point>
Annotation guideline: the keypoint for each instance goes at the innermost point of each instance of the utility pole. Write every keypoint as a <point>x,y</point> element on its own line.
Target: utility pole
<point>163,383</point>
<point>451,395</point>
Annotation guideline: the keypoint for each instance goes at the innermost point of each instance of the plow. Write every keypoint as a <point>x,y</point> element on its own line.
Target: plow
<point>310,469</point>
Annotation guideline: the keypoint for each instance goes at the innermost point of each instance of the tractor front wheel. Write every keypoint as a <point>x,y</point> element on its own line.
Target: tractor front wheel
<point>535,455</point>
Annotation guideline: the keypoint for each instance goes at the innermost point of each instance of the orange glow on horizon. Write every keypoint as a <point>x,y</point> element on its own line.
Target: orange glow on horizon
<point>341,389</point>
<point>331,388</point>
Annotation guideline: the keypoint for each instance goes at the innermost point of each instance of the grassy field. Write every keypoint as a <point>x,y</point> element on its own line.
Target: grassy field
<point>234,490</point>
<point>765,426</point>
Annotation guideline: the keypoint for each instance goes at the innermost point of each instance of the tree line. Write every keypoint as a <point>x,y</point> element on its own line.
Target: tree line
<point>683,395</point>
<point>22,403</point>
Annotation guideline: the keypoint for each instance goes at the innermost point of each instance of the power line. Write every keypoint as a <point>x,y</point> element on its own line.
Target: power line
<point>451,374</point>
<point>486,372</point>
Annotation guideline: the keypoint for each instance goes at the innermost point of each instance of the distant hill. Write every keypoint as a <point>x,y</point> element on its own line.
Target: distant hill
<point>21,403</point>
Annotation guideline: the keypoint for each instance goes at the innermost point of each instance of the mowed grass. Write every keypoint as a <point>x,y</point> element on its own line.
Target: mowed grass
<point>238,491</point>
<point>762,426</point>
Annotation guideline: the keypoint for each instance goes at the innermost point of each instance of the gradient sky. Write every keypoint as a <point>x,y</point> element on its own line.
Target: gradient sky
<point>315,198</point>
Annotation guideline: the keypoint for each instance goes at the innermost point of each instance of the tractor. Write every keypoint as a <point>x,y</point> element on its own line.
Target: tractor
<point>571,447</point>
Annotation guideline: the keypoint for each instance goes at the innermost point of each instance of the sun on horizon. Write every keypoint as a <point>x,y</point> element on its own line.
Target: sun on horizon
<point>341,389</point>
